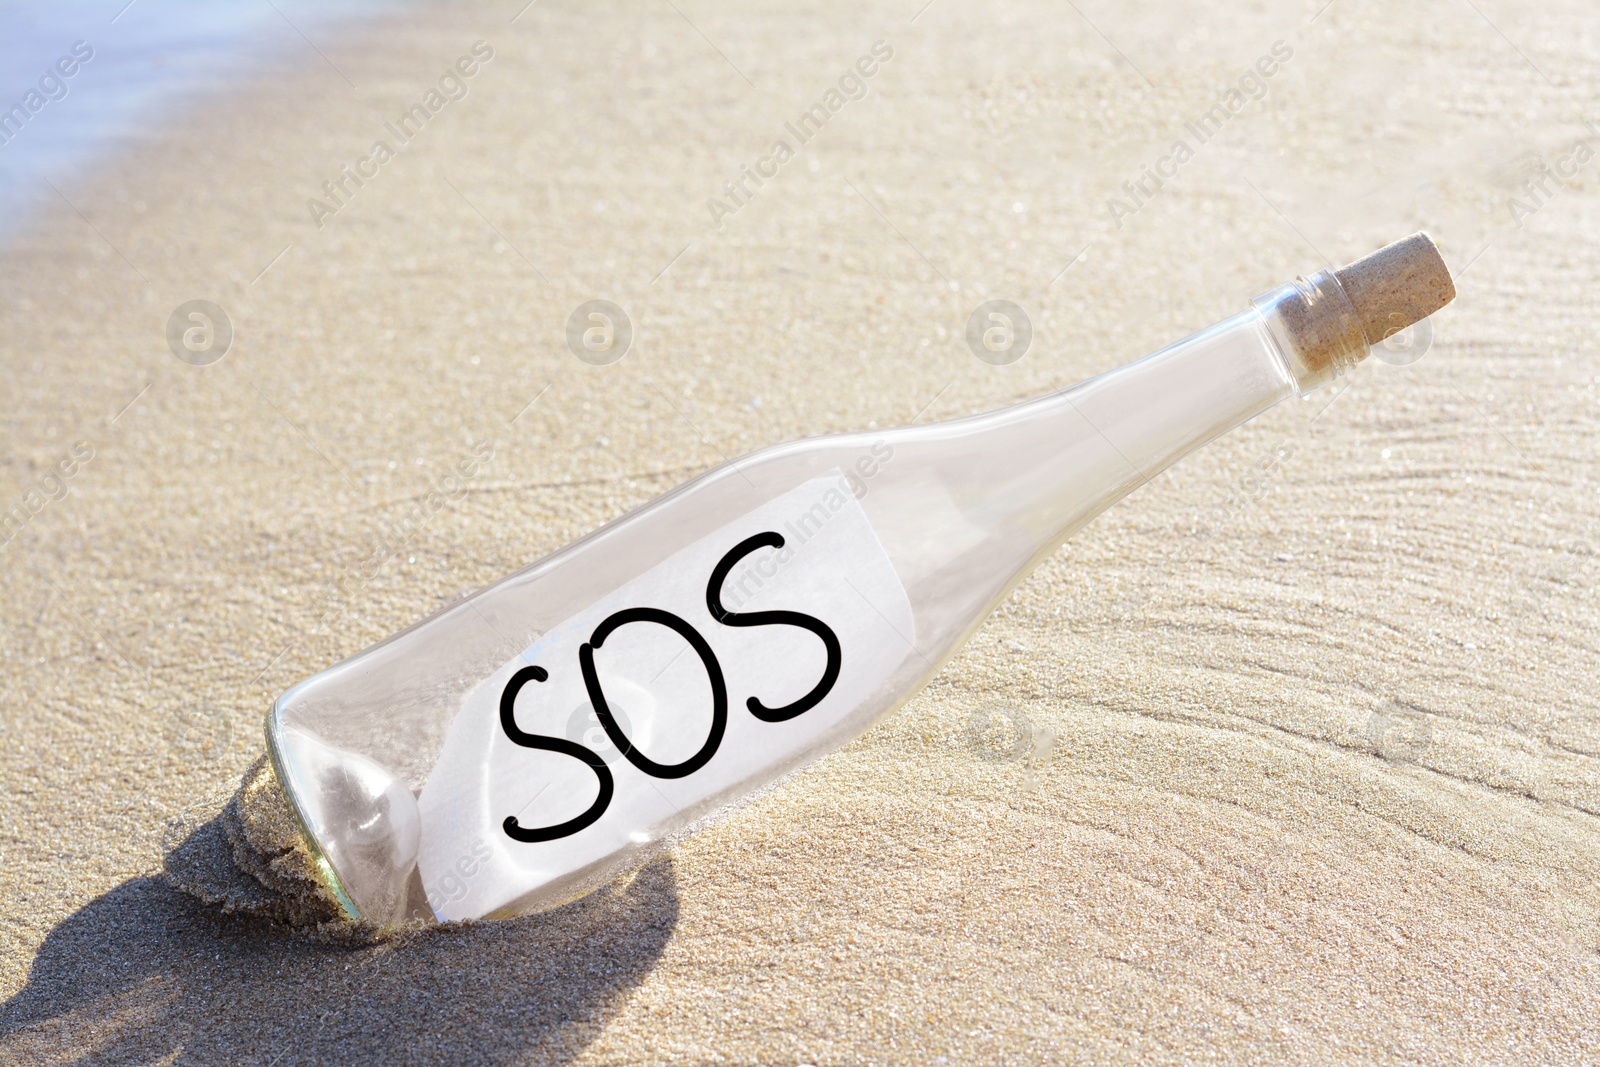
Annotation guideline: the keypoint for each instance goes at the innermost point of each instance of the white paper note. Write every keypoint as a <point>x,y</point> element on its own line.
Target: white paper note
<point>808,629</point>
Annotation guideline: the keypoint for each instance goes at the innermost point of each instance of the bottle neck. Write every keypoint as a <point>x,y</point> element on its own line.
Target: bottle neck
<point>1156,410</point>
<point>1317,327</point>
<point>1053,464</point>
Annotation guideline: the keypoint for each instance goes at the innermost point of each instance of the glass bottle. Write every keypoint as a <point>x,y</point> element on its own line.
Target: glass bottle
<point>528,743</point>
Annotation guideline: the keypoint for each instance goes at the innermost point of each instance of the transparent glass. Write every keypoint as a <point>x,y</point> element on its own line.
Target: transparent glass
<point>962,509</point>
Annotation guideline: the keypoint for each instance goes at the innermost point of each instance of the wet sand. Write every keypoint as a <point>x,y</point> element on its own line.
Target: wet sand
<point>1325,780</point>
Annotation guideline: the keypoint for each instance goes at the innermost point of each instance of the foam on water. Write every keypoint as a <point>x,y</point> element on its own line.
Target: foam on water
<point>150,59</point>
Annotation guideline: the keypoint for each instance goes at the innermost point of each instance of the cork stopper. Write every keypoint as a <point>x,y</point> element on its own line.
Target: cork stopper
<point>1397,285</point>
<point>1327,323</point>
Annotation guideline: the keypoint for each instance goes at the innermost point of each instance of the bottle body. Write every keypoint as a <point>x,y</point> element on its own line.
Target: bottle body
<point>592,682</point>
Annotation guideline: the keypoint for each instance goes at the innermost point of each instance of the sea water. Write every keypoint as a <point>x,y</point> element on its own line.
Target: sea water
<point>133,65</point>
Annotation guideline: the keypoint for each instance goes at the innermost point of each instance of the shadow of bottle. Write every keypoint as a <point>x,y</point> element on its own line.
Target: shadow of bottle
<point>147,974</point>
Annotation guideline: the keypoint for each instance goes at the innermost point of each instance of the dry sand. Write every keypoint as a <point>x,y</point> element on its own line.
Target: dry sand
<point>1326,783</point>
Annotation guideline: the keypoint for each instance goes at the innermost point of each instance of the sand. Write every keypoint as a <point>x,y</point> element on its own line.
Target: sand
<point>1325,779</point>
